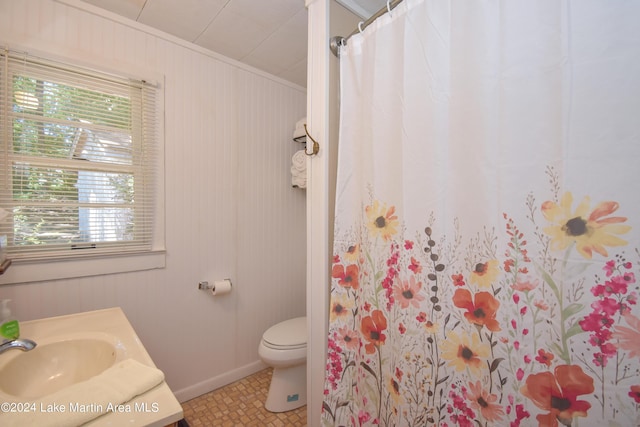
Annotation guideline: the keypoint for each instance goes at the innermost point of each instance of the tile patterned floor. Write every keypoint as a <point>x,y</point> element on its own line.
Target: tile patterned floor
<point>240,404</point>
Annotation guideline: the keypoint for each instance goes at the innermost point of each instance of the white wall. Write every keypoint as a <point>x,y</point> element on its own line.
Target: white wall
<point>230,208</point>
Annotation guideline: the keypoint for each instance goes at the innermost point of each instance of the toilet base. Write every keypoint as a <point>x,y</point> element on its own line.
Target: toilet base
<point>288,389</point>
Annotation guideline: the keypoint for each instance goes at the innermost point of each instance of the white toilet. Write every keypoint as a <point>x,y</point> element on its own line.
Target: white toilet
<point>284,347</point>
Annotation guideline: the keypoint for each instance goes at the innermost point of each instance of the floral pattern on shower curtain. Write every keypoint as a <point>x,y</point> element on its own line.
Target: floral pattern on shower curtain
<point>486,257</point>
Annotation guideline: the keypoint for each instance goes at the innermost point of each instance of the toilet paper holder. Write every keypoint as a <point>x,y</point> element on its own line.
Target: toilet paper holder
<point>205,285</point>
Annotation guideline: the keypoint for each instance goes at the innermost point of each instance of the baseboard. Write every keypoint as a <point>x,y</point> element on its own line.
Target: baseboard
<point>211,384</point>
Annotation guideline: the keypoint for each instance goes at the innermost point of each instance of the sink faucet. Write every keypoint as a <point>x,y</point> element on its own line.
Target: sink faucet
<point>21,344</point>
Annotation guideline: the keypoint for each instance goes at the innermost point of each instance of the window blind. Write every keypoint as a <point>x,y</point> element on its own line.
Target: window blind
<point>77,160</point>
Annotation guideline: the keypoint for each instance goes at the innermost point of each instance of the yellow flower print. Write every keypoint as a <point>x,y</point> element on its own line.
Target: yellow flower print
<point>590,231</point>
<point>485,273</point>
<point>352,253</point>
<point>381,221</point>
<point>465,351</point>
<point>393,387</point>
<point>341,306</point>
<point>431,327</point>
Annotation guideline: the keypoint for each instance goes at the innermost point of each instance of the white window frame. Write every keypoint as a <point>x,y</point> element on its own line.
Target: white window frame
<point>84,263</point>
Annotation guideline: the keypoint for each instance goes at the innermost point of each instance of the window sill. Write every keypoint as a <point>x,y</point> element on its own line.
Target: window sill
<point>38,271</point>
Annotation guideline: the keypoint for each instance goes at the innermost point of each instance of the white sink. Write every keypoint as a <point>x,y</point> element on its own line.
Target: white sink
<point>74,348</point>
<point>56,364</point>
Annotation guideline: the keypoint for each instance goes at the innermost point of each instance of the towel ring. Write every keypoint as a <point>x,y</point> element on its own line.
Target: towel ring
<point>316,146</point>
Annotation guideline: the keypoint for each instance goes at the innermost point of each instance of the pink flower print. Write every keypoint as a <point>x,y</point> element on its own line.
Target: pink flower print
<point>484,402</point>
<point>415,266</point>
<point>599,338</point>
<point>616,286</point>
<point>541,305</point>
<point>408,245</point>
<point>334,364</point>
<point>459,413</point>
<point>608,349</point>
<point>392,273</point>
<point>601,358</point>
<point>349,338</point>
<point>620,283</point>
<point>595,321</point>
<point>634,393</point>
<point>608,306</point>
<point>524,286</point>
<point>407,292</point>
<point>609,267</point>
<point>629,338</point>
<point>519,374</point>
<point>521,414</point>
<point>363,417</point>
<point>626,302</point>
<point>508,264</point>
<point>458,280</point>
<point>599,323</point>
<point>516,298</point>
<point>544,357</point>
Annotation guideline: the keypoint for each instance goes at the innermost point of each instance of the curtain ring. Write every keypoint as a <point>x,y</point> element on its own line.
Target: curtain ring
<point>360,26</point>
<point>389,7</point>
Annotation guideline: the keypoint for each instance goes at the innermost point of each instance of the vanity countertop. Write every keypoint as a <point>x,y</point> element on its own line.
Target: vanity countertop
<point>157,407</point>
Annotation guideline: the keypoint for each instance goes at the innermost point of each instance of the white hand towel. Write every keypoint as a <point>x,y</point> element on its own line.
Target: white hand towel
<point>299,180</point>
<point>299,169</point>
<point>299,129</point>
<point>89,399</point>
<point>299,161</point>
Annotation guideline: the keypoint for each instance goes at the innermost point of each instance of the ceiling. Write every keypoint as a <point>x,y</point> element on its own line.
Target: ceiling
<point>270,35</point>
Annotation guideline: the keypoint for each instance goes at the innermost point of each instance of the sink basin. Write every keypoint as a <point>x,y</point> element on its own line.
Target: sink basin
<point>55,365</point>
<point>71,350</point>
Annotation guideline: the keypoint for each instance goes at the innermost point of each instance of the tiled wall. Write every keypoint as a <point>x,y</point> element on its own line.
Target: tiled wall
<point>230,209</point>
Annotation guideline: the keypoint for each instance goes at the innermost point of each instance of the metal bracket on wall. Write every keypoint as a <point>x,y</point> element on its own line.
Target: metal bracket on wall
<point>335,43</point>
<point>316,146</point>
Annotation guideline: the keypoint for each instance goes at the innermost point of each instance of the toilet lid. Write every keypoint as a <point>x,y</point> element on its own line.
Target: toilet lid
<point>290,333</point>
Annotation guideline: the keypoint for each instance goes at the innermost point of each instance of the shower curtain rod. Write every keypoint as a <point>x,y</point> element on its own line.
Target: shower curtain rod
<point>337,41</point>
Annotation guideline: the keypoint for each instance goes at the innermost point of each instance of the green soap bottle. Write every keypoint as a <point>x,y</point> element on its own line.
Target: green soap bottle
<point>9,327</point>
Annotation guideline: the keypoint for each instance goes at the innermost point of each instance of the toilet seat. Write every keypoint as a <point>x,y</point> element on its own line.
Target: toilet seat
<point>288,335</point>
<point>283,347</point>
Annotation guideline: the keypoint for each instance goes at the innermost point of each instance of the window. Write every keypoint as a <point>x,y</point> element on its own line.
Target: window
<point>77,161</point>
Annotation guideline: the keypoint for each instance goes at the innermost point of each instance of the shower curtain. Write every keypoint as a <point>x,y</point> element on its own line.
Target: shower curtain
<point>487,218</point>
